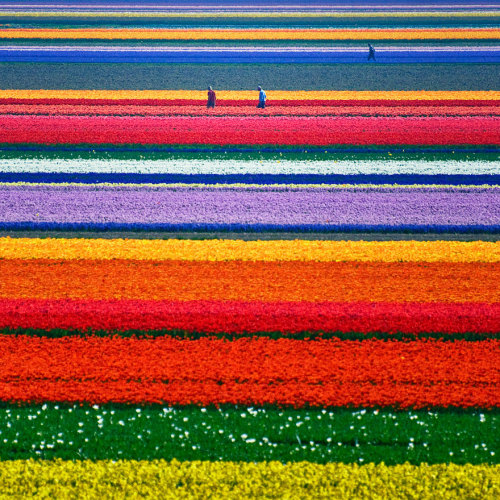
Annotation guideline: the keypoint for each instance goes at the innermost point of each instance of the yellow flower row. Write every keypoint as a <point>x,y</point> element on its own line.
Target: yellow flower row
<point>361,95</point>
<point>252,14</point>
<point>193,480</point>
<point>268,251</point>
<point>220,185</point>
<point>253,34</point>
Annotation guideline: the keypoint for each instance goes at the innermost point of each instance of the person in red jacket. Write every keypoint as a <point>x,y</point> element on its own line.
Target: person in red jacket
<point>211,98</point>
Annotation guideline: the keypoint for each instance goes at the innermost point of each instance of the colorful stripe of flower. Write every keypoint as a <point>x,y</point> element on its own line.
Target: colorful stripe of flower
<point>238,250</point>
<point>249,130</point>
<point>242,108</point>
<point>399,107</point>
<point>296,373</point>
<point>254,34</point>
<point>203,479</point>
<point>251,281</point>
<point>205,166</point>
<point>245,185</point>
<point>260,55</point>
<point>230,319</point>
<point>261,208</point>
<point>333,95</point>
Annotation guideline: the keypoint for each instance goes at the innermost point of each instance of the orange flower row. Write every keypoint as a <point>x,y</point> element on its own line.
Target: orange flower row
<point>238,95</point>
<point>251,371</point>
<point>251,281</point>
<point>252,34</point>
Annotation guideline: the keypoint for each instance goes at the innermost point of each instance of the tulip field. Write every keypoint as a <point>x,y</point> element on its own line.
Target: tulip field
<point>294,301</point>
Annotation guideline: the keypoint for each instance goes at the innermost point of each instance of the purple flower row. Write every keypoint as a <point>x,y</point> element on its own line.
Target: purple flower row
<point>167,205</point>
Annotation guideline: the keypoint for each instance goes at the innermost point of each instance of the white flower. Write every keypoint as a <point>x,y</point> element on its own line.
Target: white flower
<point>194,166</point>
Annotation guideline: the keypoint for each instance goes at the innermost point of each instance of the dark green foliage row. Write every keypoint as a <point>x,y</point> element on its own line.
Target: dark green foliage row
<point>184,334</point>
<point>251,236</point>
<point>247,153</point>
<point>185,76</point>
<point>249,434</point>
<point>251,22</point>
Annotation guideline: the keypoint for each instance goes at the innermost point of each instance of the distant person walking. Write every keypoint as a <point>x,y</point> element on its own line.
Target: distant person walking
<point>371,53</point>
<point>211,98</point>
<point>262,98</point>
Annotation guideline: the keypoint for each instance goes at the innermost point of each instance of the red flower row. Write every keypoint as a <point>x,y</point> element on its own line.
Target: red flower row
<point>271,103</point>
<point>244,110</point>
<point>249,130</point>
<point>239,317</point>
<point>251,371</point>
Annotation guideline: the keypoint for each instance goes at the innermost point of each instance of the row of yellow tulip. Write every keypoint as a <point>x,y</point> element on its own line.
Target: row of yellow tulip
<point>238,250</point>
<point>236,185</point>
<point>161,479</point>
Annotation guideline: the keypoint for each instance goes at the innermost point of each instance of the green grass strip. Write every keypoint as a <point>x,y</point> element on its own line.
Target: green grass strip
<point>249,434</point>
<point>185,334</point>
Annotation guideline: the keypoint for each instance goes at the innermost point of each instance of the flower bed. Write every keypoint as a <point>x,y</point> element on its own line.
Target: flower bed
<point>285,372</point>
<point>296,301</point>
<point>201,479</point>
<point>56,317</point>
<point>228,108</point>
<point>320,131</point>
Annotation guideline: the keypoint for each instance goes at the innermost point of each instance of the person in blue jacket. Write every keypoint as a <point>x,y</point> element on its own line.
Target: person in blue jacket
<point>371,52</point>
<point>262,98</point>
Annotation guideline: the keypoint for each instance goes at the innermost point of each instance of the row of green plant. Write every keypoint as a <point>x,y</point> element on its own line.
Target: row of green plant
<point>242,153</point>
<point>235,433</point>
<point>306,335</point>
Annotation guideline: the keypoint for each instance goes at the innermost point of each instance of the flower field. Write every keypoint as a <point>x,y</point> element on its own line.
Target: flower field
<point>299,301</point>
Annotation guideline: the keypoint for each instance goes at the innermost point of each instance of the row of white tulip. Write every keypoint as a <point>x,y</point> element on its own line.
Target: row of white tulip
<point>184,166</point>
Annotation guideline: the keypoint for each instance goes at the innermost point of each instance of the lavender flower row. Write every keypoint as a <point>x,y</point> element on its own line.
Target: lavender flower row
<point>329,207</point>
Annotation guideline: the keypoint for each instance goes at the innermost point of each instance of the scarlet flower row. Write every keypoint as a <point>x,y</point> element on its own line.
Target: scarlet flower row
<point>495,103</point>
<point>251,371</point>
<point>249,130</point>
<point>164,109</point>
<point>251,317</point>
